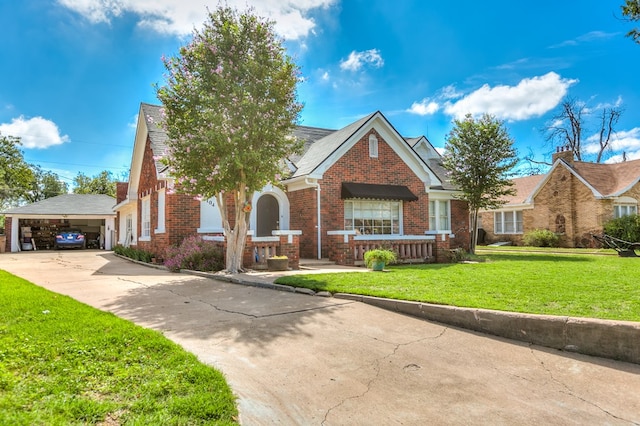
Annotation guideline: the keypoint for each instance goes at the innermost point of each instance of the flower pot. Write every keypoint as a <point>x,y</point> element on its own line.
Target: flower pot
<point>278,264</point>
<point>377,265</point>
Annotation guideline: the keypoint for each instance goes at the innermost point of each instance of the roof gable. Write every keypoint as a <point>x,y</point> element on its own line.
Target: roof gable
<point>322,154</point>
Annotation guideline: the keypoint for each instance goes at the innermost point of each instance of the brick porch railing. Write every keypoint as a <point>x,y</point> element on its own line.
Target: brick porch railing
<point>348,248</point>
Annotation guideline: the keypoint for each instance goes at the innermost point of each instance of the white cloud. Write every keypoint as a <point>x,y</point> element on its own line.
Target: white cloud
<point>36,132</point>
<point>424,107</point>
<point>623,141</point>
<point>179,17</point>
<point>531,97</point>
<point>357,60</point>
<point>325,76</point>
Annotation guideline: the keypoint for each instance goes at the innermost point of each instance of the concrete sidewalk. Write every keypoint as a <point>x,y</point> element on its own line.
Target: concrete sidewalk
<point>296,359</point>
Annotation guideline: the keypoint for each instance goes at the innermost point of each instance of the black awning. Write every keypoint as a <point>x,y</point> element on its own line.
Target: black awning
<point>377,192</point>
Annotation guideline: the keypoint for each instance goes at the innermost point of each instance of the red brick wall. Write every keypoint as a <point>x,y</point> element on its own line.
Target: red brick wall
<point>121,191</point>
<point>7,233</point>
<point>303,217</point>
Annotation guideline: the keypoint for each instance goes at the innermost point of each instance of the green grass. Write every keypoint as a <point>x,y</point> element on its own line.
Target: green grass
<point>579,285</point>
<point>65,363</point>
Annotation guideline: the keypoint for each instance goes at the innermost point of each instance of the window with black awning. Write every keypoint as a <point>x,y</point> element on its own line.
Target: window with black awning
<point>352,190</point>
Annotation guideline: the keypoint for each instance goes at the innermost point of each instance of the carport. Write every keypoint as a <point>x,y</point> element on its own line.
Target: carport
<point>34,226</point>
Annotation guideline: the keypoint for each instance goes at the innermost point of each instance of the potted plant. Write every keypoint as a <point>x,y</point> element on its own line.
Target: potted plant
<point>376,259</point>
<point>278,263</point>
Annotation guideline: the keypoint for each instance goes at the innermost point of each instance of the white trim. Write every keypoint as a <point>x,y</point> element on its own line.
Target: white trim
<point>543,182</point>
<point>283,206</point>
<point>161,211</point>
<point>393,237</point>
<point>395,141</point>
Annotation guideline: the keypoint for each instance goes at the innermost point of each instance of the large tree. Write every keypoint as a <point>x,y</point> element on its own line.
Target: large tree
<point>229,109</point>
<point>631,10</point>
<point>479,157</point>
<point>16,176</point>
<point>46,184</point>
<point>567,127</point>
<point>102,183</point>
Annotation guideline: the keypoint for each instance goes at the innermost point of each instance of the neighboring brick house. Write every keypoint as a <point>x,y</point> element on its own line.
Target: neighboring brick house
<point>351,189</point>
<point>574,199</point>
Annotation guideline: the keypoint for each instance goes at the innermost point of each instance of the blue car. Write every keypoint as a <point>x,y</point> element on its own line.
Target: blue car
<point>70,238</point>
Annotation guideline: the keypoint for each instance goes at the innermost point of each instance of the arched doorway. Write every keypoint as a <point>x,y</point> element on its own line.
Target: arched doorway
<point>267,215</point>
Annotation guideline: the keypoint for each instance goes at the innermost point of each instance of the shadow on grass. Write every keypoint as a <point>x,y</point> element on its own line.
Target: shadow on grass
<point>517,257</point>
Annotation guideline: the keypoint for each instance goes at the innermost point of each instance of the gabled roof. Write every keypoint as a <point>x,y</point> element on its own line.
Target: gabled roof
<point>423,147</point>
<point>524,188</point>
<point>604,180</point>
<point>69,204</point>
<point>309,135</point>
<point>323,148</point>
<point>158,137</point>
<point>609,180</point>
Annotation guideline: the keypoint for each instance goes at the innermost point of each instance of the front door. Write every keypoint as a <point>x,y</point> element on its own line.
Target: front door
<point>267,215</point>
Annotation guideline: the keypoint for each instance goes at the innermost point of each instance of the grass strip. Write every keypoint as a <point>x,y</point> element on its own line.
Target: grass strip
<point>65,363</point>
<point>577,285</point>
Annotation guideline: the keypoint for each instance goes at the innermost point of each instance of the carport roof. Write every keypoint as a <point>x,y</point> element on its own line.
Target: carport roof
<point>69,204</point>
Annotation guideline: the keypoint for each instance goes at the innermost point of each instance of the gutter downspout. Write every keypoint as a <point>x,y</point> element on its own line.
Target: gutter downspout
<point>318,214</point>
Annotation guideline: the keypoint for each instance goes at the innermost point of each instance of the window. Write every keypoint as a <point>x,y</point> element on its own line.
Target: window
<point>439,215</point>
<point>372,217</point>
<point>509,222</point>
<point>161,198</point>
<point>620,210</point>
<point>128,236</point>
<point>373,146</point>
<point>146,217</point>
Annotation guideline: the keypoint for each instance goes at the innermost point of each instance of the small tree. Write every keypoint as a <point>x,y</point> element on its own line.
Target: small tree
<point>229,108</point>
<point>479,158</point>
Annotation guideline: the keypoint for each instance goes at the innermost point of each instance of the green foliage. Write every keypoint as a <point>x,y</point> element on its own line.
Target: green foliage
<point>229,106</point>
<point>102,183</point>
<point>631,10</point>
<point>229,109</point>
<point>16,176</point>
<point>195,254</point>
<point>541,238</point>
<point>479,158</point>
<point>65,363</point>
<point>134,253</point>
<point>46,185</point>
<point>626,228</point>
<point>379,255</point>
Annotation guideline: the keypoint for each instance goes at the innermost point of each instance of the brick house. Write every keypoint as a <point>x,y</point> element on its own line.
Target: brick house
<point>351,189</point>
<point>574,199</point>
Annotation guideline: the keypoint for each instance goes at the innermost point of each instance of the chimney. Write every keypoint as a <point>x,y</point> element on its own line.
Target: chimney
<point>121,191</point>
<point>563,153</point>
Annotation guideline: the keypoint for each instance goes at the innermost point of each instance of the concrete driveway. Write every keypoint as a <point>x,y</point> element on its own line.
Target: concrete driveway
<point>294,359</point>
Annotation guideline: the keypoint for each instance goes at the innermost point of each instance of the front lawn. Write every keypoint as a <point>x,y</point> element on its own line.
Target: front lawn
<point>63,362</point>
<point>579,285</point>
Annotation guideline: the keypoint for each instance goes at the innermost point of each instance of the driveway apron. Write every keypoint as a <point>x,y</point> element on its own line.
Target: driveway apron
<point>294,359</point>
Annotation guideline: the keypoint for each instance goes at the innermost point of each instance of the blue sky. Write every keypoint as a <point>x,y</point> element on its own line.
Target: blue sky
<point>75,71</point>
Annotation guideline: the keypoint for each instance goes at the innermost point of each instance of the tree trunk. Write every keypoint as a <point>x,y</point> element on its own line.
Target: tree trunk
<point>474,231</point>
<point>236,237</point>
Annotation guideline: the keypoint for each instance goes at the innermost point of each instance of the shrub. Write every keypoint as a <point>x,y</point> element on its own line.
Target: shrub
<point>195,254</point>
<point>625,228</point>
<point>541,238</point>
<point>133,253</point>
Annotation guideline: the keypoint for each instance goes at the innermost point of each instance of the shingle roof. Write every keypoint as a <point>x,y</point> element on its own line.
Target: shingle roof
<point>609,179</point>
<point>325,146</point>
<point>524,187</point>
<point>69,204</point>
<point>309,135</point>
<point>157,135</point>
